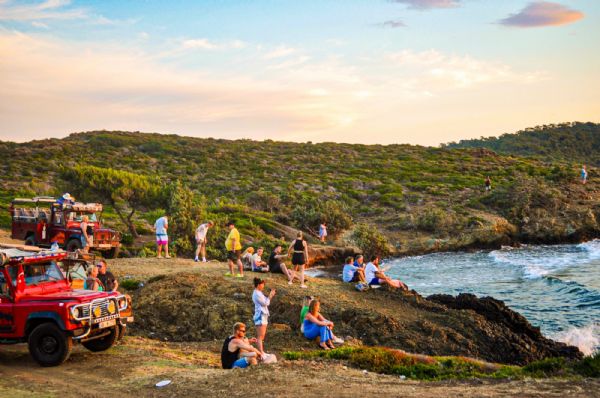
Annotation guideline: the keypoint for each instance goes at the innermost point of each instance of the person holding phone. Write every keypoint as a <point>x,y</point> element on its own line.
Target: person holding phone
<point>261,312</point>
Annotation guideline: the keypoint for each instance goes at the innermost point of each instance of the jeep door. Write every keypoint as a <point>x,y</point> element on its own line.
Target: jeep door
<point>57,226</point>
<point>7,323</point>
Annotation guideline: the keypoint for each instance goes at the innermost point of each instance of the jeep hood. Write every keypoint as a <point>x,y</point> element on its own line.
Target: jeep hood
<point>81,296</point>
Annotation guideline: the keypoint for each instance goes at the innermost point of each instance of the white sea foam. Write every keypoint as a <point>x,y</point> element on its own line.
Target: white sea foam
<point>587,338</point>
<point>592,247</point>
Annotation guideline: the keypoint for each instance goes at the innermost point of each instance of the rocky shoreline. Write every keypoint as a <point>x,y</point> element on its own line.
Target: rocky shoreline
<point>201,304</point>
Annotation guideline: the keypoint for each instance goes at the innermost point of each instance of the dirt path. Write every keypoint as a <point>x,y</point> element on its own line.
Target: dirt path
<point>135,366</point>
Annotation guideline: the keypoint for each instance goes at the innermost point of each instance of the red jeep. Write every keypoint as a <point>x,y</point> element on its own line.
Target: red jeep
<point>38,306</point>
<point>41,221</point>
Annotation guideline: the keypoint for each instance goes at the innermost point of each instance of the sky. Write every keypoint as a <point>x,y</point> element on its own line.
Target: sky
<point>358,71</point>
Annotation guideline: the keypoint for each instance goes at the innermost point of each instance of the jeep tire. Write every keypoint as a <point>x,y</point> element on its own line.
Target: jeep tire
<point>73,245</point>
<point>30,241</point>
<point>112,253</point>
<point>103,343</point>
<point>48,345</point>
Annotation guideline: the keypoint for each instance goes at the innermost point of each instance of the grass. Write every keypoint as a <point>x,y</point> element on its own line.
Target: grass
<point>421,367</point>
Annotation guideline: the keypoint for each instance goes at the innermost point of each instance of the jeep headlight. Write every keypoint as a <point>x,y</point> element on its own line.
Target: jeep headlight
<point>122,303</point>
<point>97,312</point>
<point>112,308</point>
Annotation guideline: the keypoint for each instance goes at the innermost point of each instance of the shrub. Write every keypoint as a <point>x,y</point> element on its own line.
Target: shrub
<point>589,366</point>
<point>310,213</point>
<point>129,284</point>
<point>370,241</point>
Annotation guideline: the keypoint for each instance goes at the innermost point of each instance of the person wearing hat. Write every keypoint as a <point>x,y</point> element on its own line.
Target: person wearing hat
<point>234,250</point>
<point>106,277</point>
<point>66,199</point>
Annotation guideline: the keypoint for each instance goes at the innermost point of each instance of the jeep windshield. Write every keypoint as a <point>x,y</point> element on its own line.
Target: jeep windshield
<point>37,273</point>
<point>78,216</point>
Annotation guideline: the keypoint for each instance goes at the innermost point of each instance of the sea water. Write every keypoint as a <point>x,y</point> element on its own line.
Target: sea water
<point>557,288</point>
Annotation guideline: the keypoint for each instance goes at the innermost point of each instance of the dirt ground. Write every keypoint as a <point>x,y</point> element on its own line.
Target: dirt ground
<point>133,367</point>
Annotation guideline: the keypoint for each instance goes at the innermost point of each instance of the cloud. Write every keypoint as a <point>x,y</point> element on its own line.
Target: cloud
<point>428,4</point>
<point>432,71</point>
<point>206,44</point>
<point>393,24</point>
<point>41,25</point>
<point>47,10</point>
<point>542,13</point>
<point>280,52</point>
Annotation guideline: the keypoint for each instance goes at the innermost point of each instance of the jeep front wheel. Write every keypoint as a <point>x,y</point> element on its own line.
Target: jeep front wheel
<point>112,253</point>
<point>48,345</point>
<point>73,245</point>
<point>102,343</point>
<point>30,241</point>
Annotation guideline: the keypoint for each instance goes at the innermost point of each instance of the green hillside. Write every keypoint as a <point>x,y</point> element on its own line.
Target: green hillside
<point>422,199</point>
<point>568,141</point>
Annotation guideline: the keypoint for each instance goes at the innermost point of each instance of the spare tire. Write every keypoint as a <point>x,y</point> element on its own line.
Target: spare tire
<point>73,245</point>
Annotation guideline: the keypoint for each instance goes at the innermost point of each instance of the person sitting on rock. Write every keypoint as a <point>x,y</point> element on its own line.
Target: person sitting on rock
<point>237,350</point>
<point>247,258</point>
<point>316,326</point>
<point>276,264</point>
<point>352,273</point>
<point>377,277</point>
<point>258,265</point>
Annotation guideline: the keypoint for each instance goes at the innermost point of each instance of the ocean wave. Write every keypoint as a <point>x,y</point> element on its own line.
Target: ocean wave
<point>592,248</point>
<point>587,338</point>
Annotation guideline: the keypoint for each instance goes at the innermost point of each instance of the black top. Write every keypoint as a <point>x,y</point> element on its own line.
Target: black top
<point>227,357</point>
<point>299,245</point>
<point>108,280</point>
<point>273,262</point>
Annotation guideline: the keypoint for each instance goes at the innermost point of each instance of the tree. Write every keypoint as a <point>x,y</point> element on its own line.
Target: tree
<point>126,192</point>
<point>184,215</point>
<point>309,213</point>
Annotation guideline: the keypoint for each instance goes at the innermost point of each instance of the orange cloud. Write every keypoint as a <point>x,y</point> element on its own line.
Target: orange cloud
<point>542,13</point>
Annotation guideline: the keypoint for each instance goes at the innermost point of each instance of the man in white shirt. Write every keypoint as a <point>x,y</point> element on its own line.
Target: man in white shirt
<point>258,265</point>
<point>375,276</point>
<point>201,233</point>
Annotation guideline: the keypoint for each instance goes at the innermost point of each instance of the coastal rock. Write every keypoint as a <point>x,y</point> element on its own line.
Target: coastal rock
<point>525,341</point>
<point>202,307</point>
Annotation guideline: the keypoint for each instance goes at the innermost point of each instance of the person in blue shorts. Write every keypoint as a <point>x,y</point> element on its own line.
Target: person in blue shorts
<point>584,175</point>
<point>237,350</point>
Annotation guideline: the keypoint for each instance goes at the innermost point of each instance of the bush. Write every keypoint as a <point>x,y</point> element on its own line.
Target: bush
<point>370,241</point>
<point>129,284</point>
<point>589,366</point>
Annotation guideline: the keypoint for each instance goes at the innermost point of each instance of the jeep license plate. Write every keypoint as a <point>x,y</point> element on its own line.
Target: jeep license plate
<point>107,324</point>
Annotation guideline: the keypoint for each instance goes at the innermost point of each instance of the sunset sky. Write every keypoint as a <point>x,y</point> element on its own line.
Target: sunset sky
<point>360,71</point>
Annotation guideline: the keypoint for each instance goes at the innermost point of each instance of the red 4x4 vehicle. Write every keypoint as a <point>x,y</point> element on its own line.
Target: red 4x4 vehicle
<point>41,221</point>
<point>38,306</point>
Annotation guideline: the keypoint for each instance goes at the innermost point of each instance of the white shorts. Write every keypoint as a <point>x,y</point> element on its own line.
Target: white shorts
<point>262,320</point>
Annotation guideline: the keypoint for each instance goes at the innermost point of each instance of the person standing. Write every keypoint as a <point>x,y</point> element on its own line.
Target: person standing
<point>87,234</point>
<point>299,251</point>
<point>261,311</point>
<point>584,175</point>
<point>201,232</point>
<point>234,250</point>
<point>488,184</point>
<point>323,232</point>
<point>162,239</point>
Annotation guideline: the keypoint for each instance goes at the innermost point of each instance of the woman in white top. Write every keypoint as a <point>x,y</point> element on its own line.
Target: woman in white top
<point>261,311</point>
